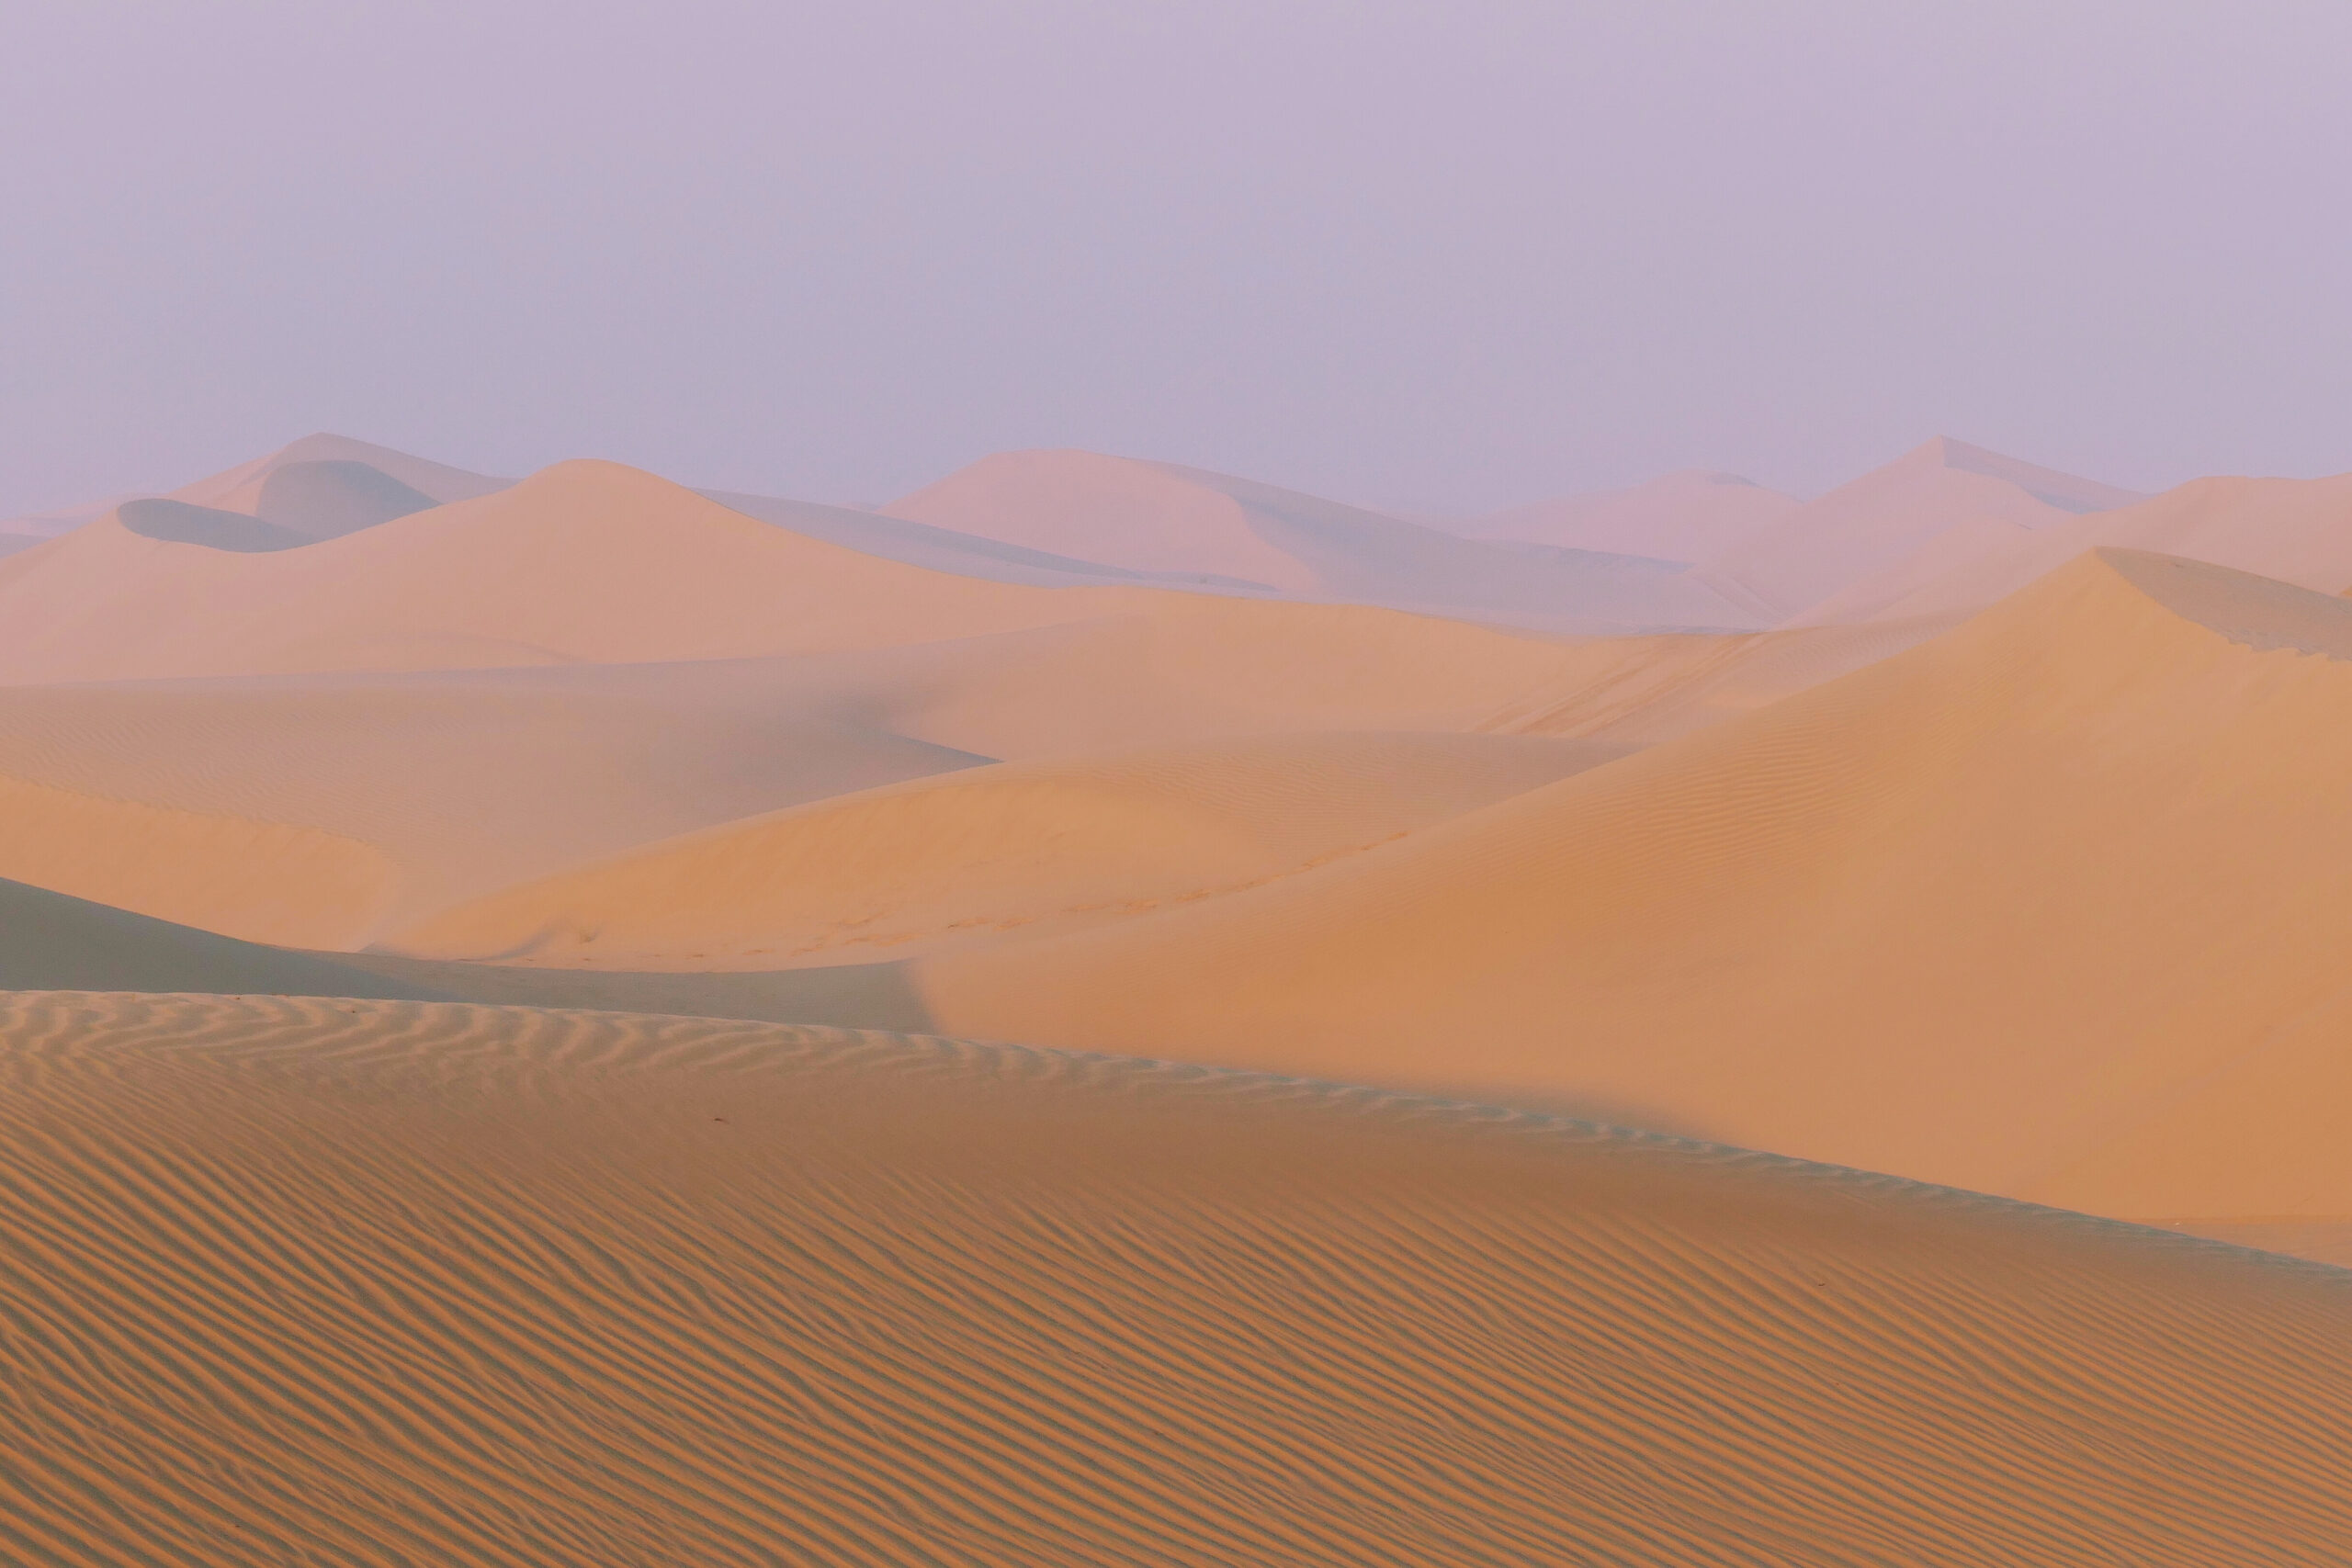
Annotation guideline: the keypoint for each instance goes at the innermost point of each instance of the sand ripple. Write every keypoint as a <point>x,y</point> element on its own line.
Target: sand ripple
<point>290,1280</point>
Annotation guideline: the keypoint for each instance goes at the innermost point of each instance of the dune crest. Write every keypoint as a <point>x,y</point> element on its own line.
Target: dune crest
<point>383,1282</point>
<point>969,855</point>
<point>1987,912</point>
<point>1871,523</point>
<point>1165,517</point>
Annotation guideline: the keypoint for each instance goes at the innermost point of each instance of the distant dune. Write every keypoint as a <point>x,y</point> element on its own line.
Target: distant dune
<point>1028,847</point>
<point>317,811</point>
<point>434,908</point>
<point>1164,518</point>
<point>2050,905</point>
<point>1833,541</point>
<point>382,1282</point>
<point>582,562</point>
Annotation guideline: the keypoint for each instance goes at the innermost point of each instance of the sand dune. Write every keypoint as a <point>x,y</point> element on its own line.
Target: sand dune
<point>2052,905</point>
<point>1864,528</point>
<point>1644,689</point>
<point>585,561</point>
<point>1163,517</point>
<point>1690,516</point>
<point>334,458</point>
<point>323,811</point>
<point>325,499</point>
<point>2298,531</point>
<point>1028,847</point>
<point>944,549</point>
<point>375,1283</point>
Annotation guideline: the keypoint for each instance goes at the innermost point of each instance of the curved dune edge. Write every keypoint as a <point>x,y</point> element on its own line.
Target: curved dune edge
<point>2052,905</point>
<point>373,1282</point>
<point>1015,847</point>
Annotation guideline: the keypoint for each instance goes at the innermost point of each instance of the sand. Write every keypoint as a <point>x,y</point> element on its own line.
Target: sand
<point>594,562</point>
<point>1166,518</point>
<point>969,856</point>
<point>423,897</point>
<point>384,1282</point>
<point>323,811</point>
<point>2052,905</point>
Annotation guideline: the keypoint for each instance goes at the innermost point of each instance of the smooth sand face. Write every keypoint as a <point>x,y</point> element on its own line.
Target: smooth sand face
<point>319,812</point>
<point>1019,848</point>
<point>2050,905</point>
<point>380,1283</point>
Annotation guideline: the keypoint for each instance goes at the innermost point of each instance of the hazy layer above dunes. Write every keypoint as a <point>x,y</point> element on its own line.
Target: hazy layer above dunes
<point>378,1282</point>
<point>1032,847</point>
<point>1692,515</point>
<point>2052,905</point>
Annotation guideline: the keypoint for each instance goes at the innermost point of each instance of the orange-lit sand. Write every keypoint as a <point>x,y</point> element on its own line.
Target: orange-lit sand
<point>1992,863</point>
<point>1168,518</point>
<point>1027,846</point>
<point>2052,905</point>
<point>379,1283</point>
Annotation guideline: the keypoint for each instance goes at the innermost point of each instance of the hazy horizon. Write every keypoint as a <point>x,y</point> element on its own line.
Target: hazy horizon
<point>1432,259</point>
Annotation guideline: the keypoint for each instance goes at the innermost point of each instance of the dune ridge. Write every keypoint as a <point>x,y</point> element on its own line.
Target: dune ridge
<point>1868,523</point>
<point>1165,517</point>
<point>2049,906</point>
<point>594,562</point>
<point>379,1283</point>
<point>967,855</point>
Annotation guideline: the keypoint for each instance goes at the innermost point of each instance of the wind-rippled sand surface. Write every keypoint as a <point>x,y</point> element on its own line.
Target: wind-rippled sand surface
<point>313,1281</point>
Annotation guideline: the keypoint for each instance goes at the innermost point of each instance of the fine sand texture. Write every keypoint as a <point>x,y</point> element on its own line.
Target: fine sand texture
<point>380,1282</point>
<point>1023,847</point>
<point>2052,905</point>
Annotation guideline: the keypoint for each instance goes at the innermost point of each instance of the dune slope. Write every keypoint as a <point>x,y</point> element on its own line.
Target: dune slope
<point>595,562</point>
<point>1988,912</point>
<point>376,1283</point>
<point>1165,517</point>
<point>1028,847</point>
<point>50,940</point>
<point>319,811</point>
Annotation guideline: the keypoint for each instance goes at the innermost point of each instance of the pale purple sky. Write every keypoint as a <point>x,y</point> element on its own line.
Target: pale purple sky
<point>1434,256</point>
